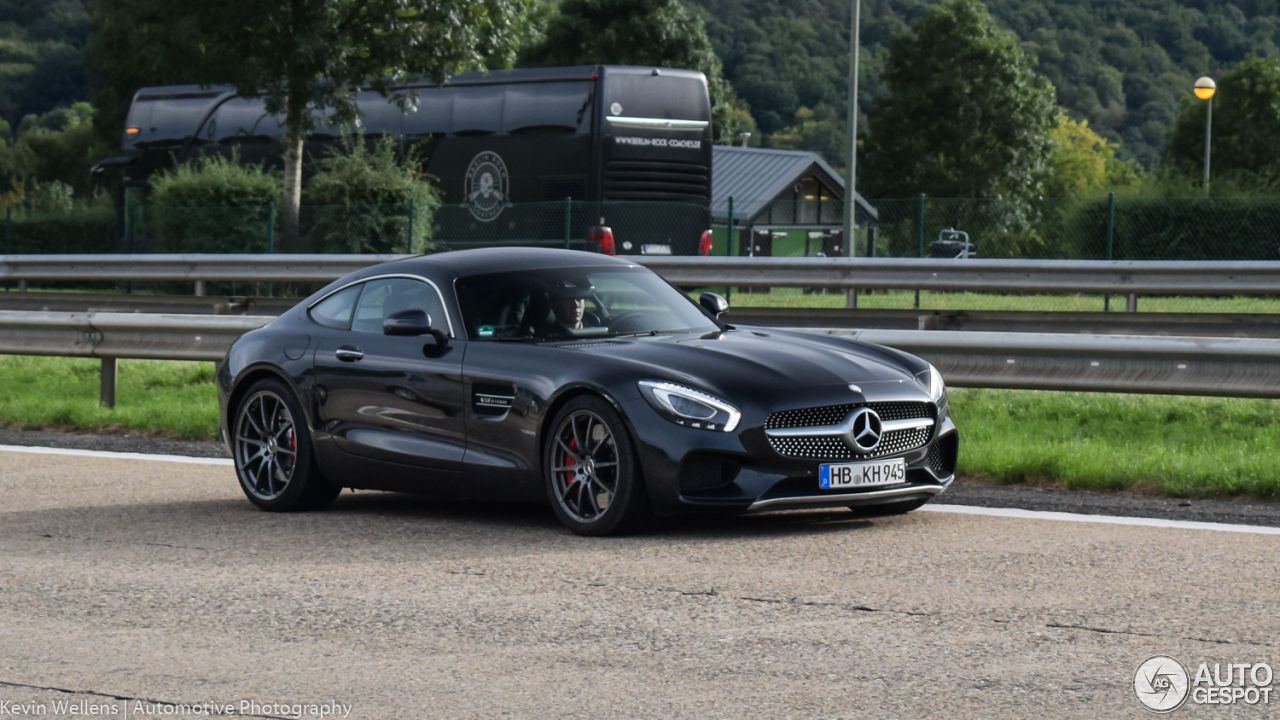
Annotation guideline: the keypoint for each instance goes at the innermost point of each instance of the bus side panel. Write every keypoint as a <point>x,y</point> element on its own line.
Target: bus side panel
<point>483,176</point>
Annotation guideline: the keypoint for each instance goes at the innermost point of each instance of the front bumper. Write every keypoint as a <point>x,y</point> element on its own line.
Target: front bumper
<point>689,470</point>
<point>909,491</point>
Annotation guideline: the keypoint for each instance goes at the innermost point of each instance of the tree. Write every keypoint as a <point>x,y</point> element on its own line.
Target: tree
<point>363,196</point>
<point>306,57</point>
<point>1083,162</point>
<point>821,130</point>
<point>966,114</point>
<point>637,32</point>
<point>1246,123</point>
<point>136,44</point>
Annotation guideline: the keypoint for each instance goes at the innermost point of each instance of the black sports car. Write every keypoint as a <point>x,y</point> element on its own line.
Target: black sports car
<point>577,379</point>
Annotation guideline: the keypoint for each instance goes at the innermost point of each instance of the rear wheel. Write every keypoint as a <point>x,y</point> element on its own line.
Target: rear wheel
<point>902,507</point>
<point>591,470</point>
<point>273,457</point>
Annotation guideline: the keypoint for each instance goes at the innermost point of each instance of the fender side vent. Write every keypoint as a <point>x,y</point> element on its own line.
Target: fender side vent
<point>492,400</point>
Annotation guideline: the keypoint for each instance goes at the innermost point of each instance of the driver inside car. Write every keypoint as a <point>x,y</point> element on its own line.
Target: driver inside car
<point>568,312</point>
<point>568,309</point>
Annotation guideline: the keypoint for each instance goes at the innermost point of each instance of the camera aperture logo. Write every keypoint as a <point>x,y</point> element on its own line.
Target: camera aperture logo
<point>1163,684</point>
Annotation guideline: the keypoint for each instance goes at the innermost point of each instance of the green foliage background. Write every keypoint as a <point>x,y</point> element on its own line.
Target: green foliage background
<point>1124,65</point>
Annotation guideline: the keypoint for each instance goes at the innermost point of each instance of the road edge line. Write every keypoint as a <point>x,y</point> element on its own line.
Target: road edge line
<point>1018,514</point>
<point>107,455</point>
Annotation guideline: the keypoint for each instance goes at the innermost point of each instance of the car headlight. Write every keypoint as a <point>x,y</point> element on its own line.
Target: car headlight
<point>937,388</point>
<point>689,407</point>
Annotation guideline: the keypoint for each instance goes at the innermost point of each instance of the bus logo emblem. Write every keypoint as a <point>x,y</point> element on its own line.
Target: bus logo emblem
<point>486,186</point>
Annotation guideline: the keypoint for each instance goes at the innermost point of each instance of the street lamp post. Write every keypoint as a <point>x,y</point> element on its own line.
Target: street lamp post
<point>1205,89</point>
<point>850,184</point>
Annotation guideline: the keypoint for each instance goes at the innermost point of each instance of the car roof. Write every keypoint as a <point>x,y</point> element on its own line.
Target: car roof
<point>513,259</point>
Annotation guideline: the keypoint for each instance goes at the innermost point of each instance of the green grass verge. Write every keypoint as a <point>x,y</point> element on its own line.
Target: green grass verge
<point>905,299</point>
<point>156,397</point>
<point>1180,446</point>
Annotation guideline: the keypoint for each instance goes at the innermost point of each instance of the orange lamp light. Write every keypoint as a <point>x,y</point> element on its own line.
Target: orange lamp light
<point>1205,88</point>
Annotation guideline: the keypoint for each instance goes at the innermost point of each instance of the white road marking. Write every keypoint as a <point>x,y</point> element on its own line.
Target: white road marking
<point>185,459</point>
<point>1100,519</point>
<point>955,509</point>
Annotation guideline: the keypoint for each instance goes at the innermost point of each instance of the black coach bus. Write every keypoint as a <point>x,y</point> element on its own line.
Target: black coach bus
<point>594,134</point>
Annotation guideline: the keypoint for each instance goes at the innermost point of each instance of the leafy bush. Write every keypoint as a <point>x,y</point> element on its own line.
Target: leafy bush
<point>360,199</point>
<point>53,195</point>
<point>82,230</point>
<point>212,205</point>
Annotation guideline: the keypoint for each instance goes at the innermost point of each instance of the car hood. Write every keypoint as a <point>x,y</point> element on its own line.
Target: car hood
<point>760,362</point>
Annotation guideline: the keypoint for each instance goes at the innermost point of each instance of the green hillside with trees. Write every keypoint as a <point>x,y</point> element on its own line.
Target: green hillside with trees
<point>1117,77</point>
<point>1123,65</point>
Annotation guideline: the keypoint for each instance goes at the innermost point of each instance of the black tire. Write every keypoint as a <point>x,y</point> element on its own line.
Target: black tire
<point>273,452</point>
<point>612,477</point>
<point>902,507</point>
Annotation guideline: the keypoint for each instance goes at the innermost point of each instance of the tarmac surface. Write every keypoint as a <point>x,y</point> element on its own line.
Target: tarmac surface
<point>126,582</point>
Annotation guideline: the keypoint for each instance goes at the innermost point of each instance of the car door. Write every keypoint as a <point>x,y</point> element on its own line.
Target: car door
<point>390,398</point>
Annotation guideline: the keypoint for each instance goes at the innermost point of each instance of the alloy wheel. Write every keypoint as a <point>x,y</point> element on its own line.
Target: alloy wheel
<point>266,445</point>
<point>584,466</point>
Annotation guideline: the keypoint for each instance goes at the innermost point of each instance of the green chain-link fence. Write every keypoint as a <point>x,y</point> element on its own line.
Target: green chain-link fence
<point>402,228</point>
<point>1094,228</point>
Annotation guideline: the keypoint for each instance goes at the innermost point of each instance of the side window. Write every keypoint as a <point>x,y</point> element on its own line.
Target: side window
<point>477,109</point>
<point>547,108</point>
<point>384,297</point>
<point>242,120</point>
<point>432,113</point>
<point>335,310</point>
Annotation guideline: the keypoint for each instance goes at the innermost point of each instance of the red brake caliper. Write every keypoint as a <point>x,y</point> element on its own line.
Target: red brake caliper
<point>568,460</point>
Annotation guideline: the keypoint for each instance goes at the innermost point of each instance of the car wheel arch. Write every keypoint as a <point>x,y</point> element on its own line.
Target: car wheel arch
<point>567,394</point>
<point>251,375</point>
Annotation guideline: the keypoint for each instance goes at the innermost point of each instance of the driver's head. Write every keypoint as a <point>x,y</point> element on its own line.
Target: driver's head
<point>568,301</point>
<point>568,311</point>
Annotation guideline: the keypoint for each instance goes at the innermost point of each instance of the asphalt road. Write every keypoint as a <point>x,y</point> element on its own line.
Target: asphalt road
<point>125,579</point>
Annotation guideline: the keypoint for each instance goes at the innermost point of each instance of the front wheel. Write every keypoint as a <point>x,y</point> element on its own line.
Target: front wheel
<point>592,474</point>
<point>273,457</point>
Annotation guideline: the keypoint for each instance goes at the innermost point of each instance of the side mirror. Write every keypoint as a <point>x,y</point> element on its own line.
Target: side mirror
<point>407,322</point>
<point>713,303</point>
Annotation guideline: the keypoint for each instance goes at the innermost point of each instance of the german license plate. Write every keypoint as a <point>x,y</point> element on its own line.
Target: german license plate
<point>863,474</point>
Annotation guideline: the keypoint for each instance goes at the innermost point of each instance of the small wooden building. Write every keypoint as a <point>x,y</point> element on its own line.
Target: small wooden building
<point>785,203</point>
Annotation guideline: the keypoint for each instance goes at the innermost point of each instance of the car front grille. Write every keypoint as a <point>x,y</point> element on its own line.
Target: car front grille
<point>833,414</point>
<point>827,447</point>
<point>935,460</point>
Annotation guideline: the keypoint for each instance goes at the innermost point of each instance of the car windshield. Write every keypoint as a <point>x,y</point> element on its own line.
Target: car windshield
<point>574,303</point>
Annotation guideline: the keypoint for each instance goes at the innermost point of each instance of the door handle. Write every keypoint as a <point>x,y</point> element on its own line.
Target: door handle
<point>347,353</point>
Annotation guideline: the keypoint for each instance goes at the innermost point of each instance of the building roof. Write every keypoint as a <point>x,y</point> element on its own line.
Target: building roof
<point>755,177</point>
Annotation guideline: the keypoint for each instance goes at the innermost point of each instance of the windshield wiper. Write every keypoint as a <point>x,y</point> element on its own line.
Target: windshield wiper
<point>652,333</point>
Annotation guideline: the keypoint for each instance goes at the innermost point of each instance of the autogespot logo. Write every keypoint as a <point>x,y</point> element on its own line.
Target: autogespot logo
<point>1161,683</point>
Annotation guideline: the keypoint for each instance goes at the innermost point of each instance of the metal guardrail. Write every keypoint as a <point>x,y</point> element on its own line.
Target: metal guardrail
<point>112,336</point>
<point>1228,367</point>
<point>1117,277</point>
<point>1007,276</point>
<point>207,268</point>
<point>1100,323</point>
<point>1157,365</point>
<point>1259,325</point>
